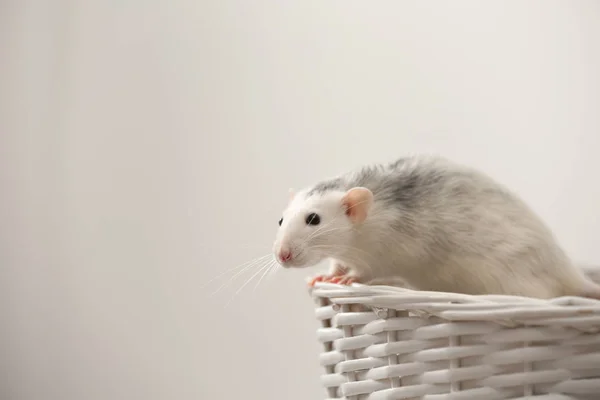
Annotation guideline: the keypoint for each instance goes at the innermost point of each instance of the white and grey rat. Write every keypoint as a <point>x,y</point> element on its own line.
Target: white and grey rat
<point>431,223</point>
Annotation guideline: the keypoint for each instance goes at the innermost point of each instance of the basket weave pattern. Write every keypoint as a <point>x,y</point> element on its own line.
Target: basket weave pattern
<point>391,343</point>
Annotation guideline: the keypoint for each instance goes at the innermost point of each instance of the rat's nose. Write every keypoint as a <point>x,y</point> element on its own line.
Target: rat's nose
<point>285,255</point>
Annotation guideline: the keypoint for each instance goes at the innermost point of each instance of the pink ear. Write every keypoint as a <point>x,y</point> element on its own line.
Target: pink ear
<point>357,202</point>
<point>291,194</point>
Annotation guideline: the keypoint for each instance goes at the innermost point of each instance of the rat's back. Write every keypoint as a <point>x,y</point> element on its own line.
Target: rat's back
<point>443,226</point>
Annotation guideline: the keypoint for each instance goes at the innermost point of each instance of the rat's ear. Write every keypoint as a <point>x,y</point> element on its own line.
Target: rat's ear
<point>357,202</point>
<point>291,194</point>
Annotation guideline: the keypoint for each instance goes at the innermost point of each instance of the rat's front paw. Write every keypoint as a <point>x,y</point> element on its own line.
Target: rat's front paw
<point>327,278</point>
<point>344,279</point>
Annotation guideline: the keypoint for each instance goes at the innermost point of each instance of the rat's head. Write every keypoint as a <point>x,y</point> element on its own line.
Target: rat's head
<point>318,226</point>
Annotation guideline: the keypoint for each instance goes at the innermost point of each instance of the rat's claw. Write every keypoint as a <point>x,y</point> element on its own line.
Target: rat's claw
<point>347,280</point>
<point>318,278</point>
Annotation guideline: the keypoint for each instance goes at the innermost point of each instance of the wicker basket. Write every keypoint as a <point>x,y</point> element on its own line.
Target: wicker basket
<point>390,343</point>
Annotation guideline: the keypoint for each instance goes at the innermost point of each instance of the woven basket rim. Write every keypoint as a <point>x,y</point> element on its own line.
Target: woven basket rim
<point>574,312</point>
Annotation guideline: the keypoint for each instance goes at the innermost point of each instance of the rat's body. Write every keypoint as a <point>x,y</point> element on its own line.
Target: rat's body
<point>431,223</point>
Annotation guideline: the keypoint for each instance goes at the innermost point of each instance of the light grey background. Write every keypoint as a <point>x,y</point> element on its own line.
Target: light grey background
<point>148,146</point>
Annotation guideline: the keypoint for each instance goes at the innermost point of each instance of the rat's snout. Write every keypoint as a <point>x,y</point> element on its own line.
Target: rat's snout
<point>284,254</point>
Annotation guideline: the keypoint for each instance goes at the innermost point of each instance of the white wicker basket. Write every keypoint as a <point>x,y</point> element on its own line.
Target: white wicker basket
<point>390,343</point>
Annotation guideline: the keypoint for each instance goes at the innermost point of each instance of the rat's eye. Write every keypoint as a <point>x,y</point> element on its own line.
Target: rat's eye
<point>313,219</point>
<point>281,221</point>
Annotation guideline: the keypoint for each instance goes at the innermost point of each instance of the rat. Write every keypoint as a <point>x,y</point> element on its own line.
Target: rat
<point>427,223</point>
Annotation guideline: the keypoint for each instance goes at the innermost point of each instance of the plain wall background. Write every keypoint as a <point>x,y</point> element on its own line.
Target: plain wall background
<point>145,147</point>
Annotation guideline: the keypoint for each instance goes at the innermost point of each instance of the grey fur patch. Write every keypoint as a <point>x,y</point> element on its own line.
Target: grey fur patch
<point>406,183</point>
<point>398,183</point>
<point>398,163</point>
<point>326,186</point>
<point>366,176</point>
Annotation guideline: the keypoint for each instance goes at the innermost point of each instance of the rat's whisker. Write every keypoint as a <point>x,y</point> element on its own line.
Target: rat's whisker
<point>252,277</point>
<point>273,263</point>
<point>234,269</point>
<point>313,234</point>
<point>322,231</point>
<point>273,270</point>
<point>266,266</point>
<point>255,264</point>
<point>331,230</point>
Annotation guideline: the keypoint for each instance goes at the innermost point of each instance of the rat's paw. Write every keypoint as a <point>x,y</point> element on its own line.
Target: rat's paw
<point>345,280</point>
<point>324,278</point>
<point>318,278</point>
